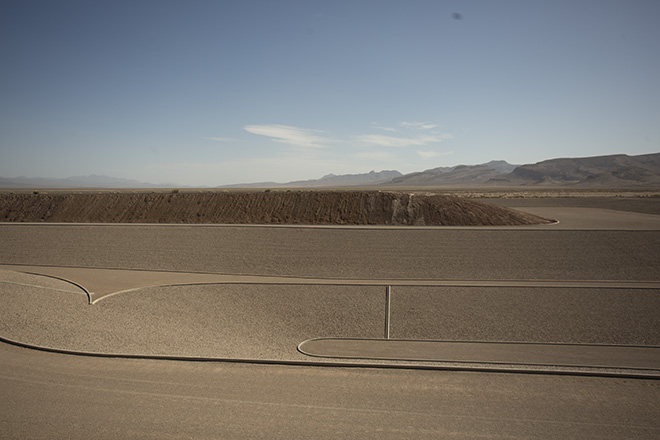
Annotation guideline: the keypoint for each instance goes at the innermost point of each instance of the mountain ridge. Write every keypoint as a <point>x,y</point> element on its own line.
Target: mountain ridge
<point>370,178</point>
<point>618,170</point>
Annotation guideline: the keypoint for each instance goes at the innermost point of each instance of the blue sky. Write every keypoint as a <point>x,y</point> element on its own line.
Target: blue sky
<point>206,93</point>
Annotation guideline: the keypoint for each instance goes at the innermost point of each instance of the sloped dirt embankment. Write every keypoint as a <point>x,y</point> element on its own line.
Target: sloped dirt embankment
<point>300,207</point>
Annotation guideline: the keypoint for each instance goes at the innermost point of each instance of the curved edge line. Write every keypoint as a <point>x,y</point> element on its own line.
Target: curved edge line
<point>80,286</point>
<point>375,284</point>
<point>135,289</point>
<point>479,342</point>
<point>239,283</point>
<point>120,291</point>
<point>466,368</point>
<point>528,364</point>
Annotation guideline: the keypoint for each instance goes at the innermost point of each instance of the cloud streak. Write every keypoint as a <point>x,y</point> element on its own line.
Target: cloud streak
<point>381,127</point>
<point>431,154</point>
<point>286,134</point>
<point>392,141</point>
<point>418,125</point>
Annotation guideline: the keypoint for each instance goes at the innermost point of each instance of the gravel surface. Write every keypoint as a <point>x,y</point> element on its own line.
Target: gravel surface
<point>223,321</point>
<point>341,253</point>
<point>268,321</point>
<point>262,321</point>
<point>46,395</point>
<point>61,396</point>
<point>553,315</point>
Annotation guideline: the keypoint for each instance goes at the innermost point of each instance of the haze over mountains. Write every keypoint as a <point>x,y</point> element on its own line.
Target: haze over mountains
<point>91,181</point>
<point>614,171</point>
<point>601,171</point>
<point>330,180</point>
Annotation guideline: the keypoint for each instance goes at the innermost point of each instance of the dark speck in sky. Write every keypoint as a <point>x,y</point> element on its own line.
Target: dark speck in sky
<point>457,16</point>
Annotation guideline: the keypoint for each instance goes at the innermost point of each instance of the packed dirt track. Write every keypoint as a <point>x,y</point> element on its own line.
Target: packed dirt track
<point>286,207</point>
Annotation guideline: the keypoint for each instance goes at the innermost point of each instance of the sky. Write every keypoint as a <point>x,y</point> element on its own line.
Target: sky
<point>207,93</point>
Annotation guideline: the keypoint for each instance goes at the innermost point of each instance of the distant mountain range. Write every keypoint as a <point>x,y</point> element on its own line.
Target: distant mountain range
<point>458,175</point>
<point>615,171</point>
<point>91,181</point>
<point>605,171</point>
<point>330,180</point>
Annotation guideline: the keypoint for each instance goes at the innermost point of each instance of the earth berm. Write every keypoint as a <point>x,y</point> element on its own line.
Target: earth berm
<point>291,207</point>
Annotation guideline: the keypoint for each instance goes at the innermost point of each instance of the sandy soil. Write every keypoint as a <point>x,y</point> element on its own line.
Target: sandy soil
<point>290,207</point>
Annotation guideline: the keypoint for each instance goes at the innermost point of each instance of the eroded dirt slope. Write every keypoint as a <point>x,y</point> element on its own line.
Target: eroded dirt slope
<point>294,207</point>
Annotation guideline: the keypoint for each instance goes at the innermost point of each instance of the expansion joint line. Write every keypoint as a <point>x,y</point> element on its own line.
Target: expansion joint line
<point>388,302</point>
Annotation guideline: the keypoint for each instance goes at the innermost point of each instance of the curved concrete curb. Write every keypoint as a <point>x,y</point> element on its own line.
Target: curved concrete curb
<point>334,360</point>
<point>487,352</point>
<point>374,365</point>
<point>80,286</point>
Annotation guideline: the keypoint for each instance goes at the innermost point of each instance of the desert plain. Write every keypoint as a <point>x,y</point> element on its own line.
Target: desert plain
<point>369,324</point>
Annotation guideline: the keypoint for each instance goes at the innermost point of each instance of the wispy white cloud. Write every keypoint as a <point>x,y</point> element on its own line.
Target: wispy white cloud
<point>298,137</point>
<point>418,125</point>
<point>381,127</point>
<point>431,154</point>
<point>392,141</point>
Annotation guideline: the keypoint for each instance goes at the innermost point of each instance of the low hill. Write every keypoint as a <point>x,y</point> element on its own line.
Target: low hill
<point>461,175</point>
<point>299,207</point>
<point>618,170</point>
<point>328,181</point>
<point>615,171</point>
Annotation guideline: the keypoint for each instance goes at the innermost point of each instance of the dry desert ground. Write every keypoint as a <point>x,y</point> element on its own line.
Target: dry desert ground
<point>367,328</point>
